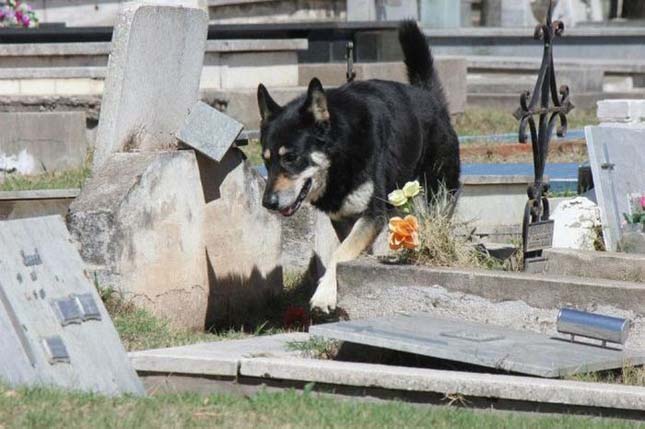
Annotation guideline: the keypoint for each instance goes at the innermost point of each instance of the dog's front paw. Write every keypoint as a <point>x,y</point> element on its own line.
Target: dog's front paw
<point>326,295</point>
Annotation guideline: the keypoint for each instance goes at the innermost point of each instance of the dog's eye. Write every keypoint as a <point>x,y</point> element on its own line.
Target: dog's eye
<point>290,157</point>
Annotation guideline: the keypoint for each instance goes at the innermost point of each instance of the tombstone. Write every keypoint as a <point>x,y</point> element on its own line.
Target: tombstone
<point>381,10</point>
<point>509,13</point>
<point>572,12</point>
<point>441,13</point>
<point>152,79</point>
<point>182,232</point>
<point>54,329</point>
<point>617,159</point>
<point>485,346</point>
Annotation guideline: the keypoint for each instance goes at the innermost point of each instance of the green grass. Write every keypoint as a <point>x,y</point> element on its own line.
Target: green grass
<point>44,408</point>
<point>140,330</point>
<point>56,180</point>
<point>477,122</point>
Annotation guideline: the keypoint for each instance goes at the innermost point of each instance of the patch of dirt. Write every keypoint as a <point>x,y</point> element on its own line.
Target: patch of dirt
<point>569,151</point>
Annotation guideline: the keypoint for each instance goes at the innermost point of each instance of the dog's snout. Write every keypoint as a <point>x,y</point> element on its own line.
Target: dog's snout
<point>270,200</point>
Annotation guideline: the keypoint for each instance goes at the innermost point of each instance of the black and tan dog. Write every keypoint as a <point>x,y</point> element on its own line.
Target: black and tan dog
<point>345,149</point>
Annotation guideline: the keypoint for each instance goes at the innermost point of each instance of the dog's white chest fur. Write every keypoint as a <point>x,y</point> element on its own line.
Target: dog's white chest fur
<point>356,202</point>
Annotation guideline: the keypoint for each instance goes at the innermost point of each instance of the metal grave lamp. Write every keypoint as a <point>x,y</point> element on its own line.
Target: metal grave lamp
<point>550,104</point>
<point>607,329</point>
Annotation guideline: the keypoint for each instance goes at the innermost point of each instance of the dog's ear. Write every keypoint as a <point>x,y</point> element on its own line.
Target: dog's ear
<point>268,107</point>
<point>316,103</point>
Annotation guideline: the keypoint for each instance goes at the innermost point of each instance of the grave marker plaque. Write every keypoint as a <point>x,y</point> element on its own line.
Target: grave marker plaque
<point>54,329</point>
<point>539,236</point>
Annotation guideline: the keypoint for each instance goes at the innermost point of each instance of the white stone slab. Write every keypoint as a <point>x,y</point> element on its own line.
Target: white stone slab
<point>617,158</point>
<point>209,131</point>
<point>40,266</point>
<point>468,384</point>
<point>621,110</point>
<point>152,79</point>
<point>478,344</point>
<point>220,358</point>
<point>576,221</point>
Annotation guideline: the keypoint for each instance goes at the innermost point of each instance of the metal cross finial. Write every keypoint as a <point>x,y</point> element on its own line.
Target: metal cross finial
<point>351,74</point>
<point>538,103</point>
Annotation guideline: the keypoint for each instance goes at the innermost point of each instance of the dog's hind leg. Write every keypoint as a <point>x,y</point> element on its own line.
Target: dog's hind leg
<point>360,238</point>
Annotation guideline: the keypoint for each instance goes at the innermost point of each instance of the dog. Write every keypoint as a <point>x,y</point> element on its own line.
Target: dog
<point>345,149</point>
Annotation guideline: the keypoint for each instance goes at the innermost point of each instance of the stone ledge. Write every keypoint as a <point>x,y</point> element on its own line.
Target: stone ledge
<point>219,359</point>
<point>40,194</point>
<point>104,48</point>
<point>448,382</point>
<point>367,277</point>
<point>606,265</point>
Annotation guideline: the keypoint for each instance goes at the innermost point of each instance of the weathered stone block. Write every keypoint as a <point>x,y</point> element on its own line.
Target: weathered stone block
<point>153,78</point>
<point>242,240</point>
<point>139,221</point>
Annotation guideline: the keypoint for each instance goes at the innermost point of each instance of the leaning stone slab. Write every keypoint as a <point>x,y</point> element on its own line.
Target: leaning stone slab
<point>152,79</point>
<point>480,344</point>
<point>219,359</point>
<point>468,384</point>
<point>209,131</point>
<point>617,158</point>
<point>139,221</point>
<point>54,329</point>
<point>34,142</point>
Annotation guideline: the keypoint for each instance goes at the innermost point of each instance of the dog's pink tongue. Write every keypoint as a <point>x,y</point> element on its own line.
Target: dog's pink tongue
<point>287,212</point>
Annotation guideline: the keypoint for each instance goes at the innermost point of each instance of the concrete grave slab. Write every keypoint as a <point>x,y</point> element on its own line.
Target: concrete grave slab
<point>209,131</point>
<point>220,358</point>
<point>478,344</point>
<point>41,202</point>
<point>153,78</point>
<point>54,329</point>
<point>617,158</point>
<point>34,142</point>
<point>265,364</point>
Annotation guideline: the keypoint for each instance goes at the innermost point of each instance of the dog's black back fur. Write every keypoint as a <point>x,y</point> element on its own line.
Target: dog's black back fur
<point>386,132</point>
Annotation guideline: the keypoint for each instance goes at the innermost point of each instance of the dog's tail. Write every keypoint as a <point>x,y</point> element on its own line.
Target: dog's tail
<point>417,57</point>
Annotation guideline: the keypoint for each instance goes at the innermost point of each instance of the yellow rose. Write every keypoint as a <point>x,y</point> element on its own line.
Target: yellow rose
<point>397,198</point>
<point>412,189</point>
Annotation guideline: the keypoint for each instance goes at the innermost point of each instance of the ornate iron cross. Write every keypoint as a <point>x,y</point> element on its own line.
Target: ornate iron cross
<point>536,214</point>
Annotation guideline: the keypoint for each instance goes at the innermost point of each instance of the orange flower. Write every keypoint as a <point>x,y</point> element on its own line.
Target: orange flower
<point>403,233</point>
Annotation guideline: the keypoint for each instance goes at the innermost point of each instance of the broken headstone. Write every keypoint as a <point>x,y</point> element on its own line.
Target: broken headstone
<point>54,329</point>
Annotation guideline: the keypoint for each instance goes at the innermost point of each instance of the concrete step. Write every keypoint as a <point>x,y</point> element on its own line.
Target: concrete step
<point>599,265</point>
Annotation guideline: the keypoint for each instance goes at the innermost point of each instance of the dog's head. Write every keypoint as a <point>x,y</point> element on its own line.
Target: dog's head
<point>293,141</point>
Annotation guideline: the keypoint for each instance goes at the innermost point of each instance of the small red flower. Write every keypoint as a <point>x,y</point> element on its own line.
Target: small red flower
<point>296,317</point>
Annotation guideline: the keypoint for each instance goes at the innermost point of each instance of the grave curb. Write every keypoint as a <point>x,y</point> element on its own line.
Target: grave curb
<point>289,371</point>
<point>367,276</point>
<point>528,389</point>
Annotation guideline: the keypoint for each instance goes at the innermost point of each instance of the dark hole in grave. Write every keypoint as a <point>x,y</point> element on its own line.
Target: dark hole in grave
<point>359,353</point>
